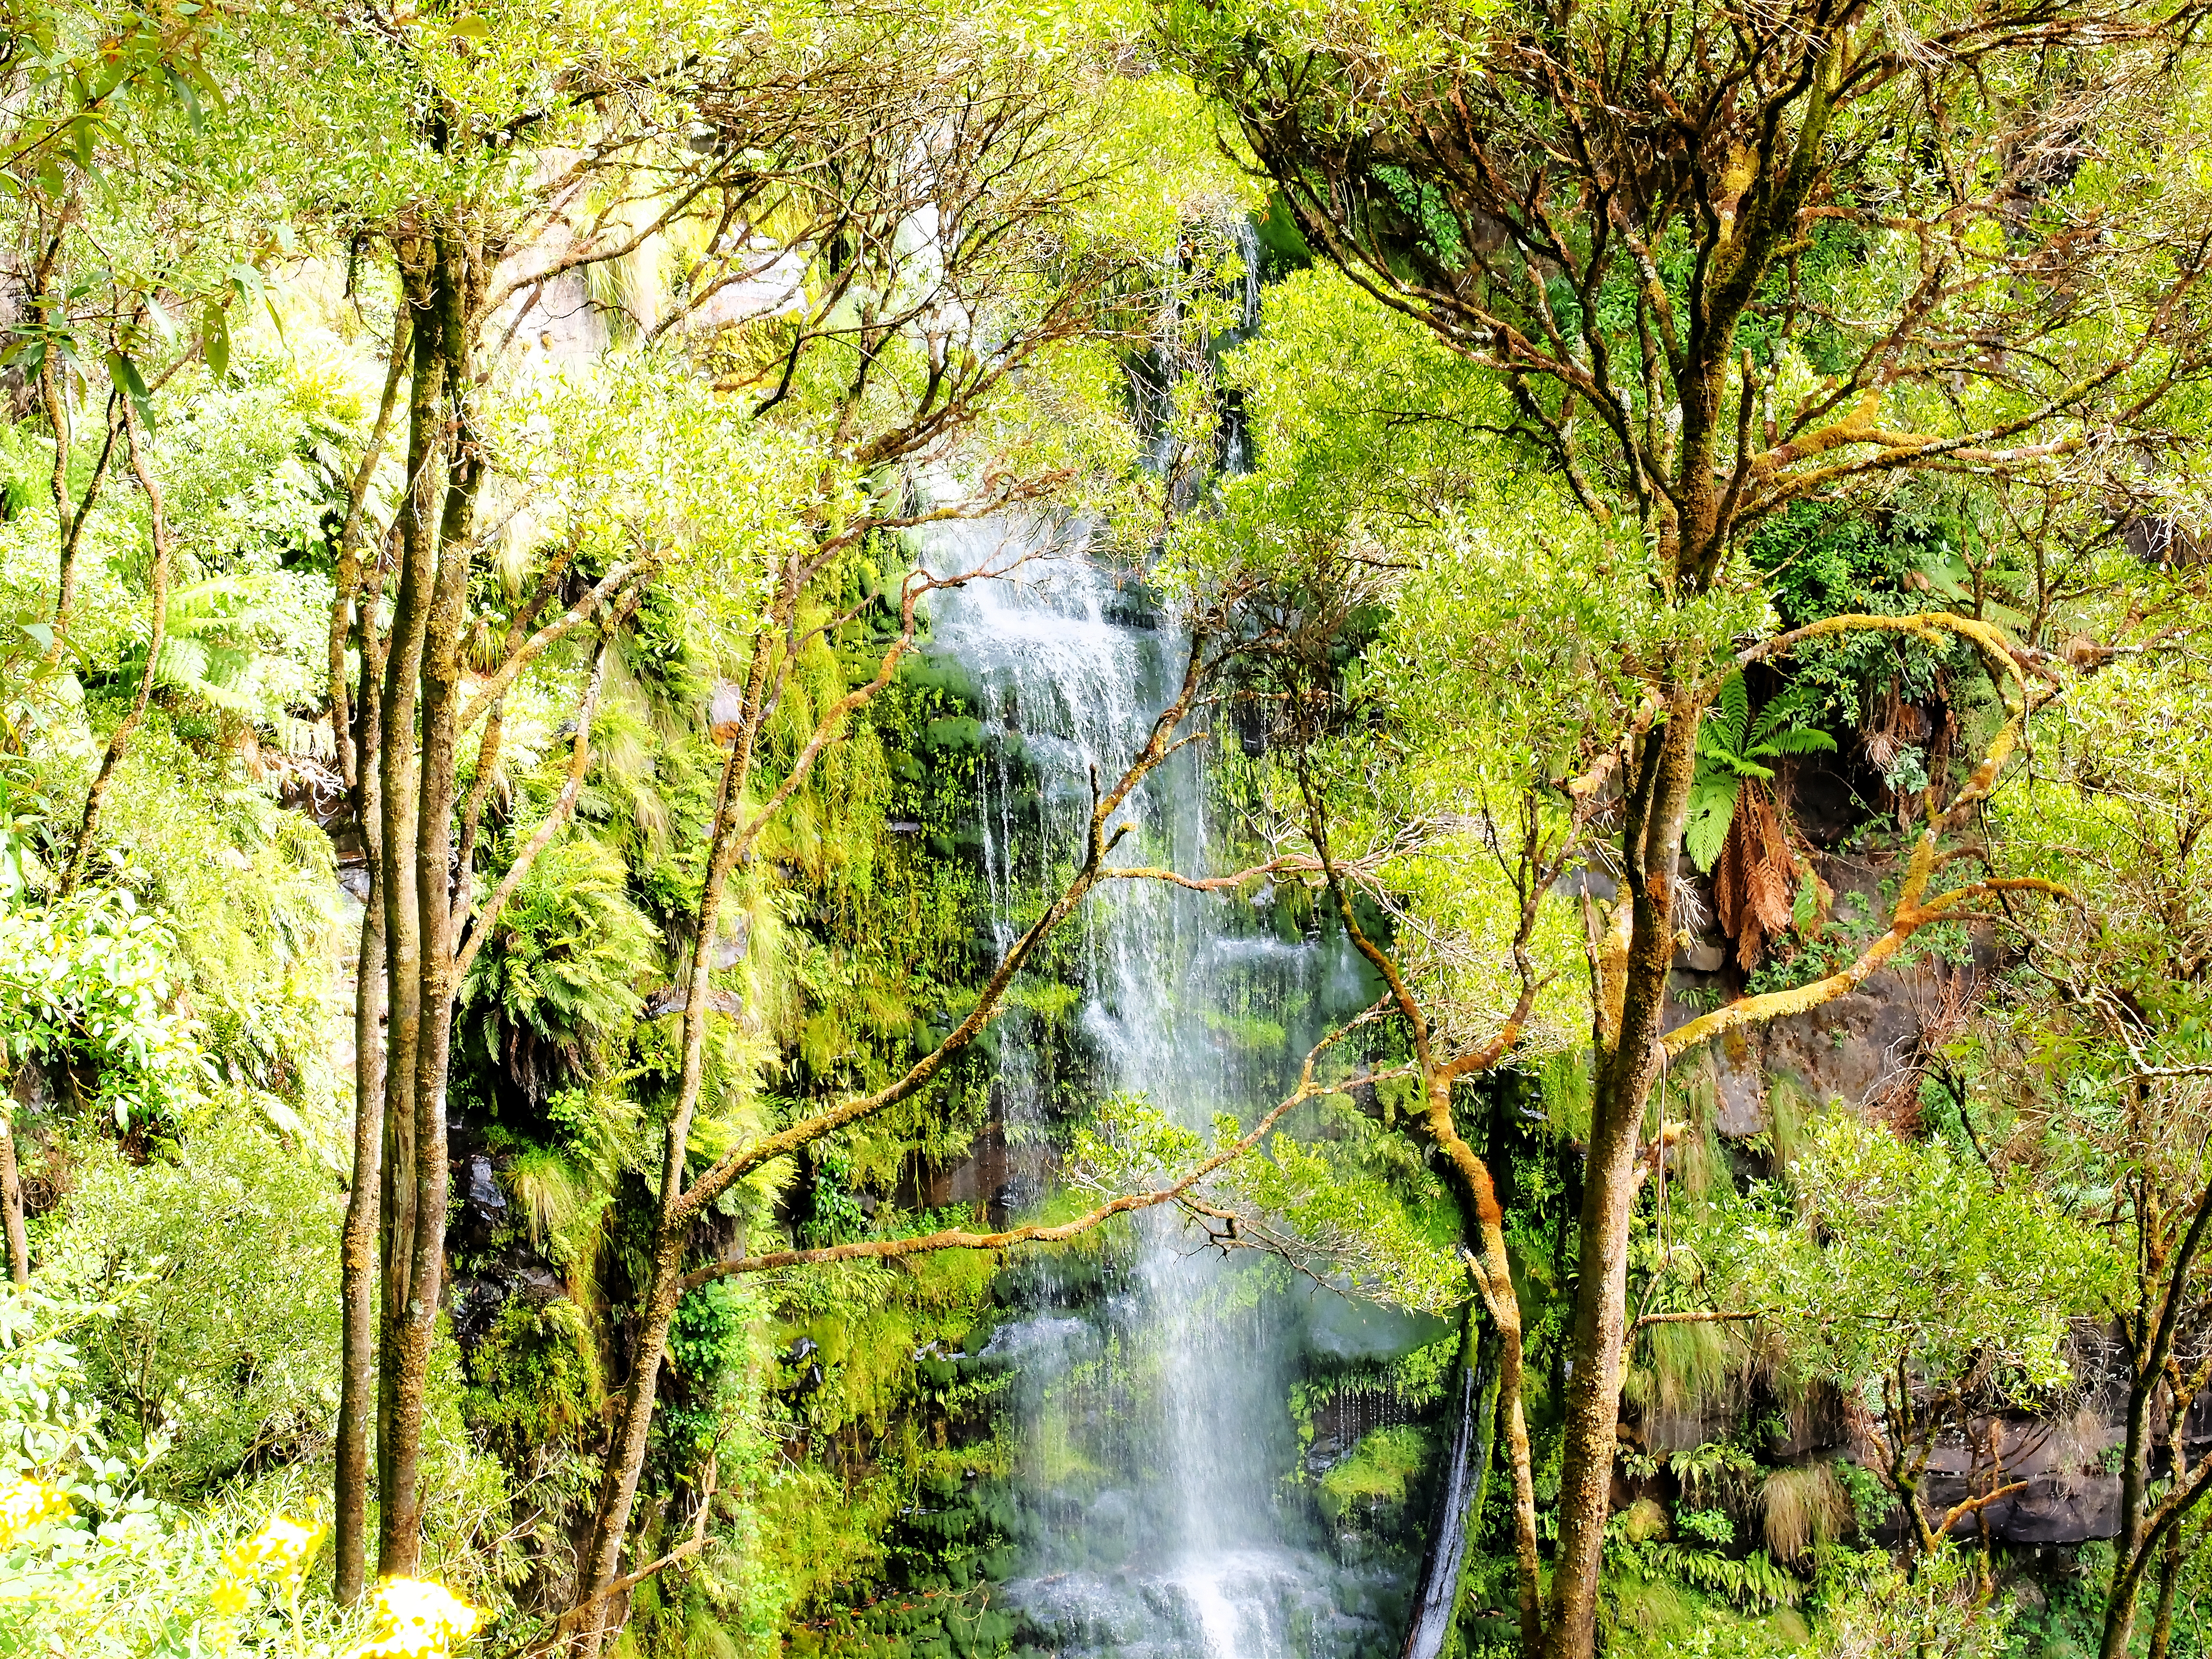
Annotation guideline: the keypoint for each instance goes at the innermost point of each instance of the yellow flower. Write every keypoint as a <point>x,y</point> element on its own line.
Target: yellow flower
<point>281,1549</point>
<point>25,1503</point>
<point>228,1599</point>
<point>282,1546</point>
<point>420,1619</point>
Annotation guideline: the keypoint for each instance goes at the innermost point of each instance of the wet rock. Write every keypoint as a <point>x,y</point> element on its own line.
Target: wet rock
<point>1848,1048</point>
<point>473,1305</point>
<point>482,1192</point>
<point>1700,957</point>
<point>1342,1328</point>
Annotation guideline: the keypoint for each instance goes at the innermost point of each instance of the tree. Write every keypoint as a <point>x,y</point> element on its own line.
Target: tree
<point>1928,1294</point>
<point>2088,1075</point>
<point>474,247</point>
<point>876,375</point>
<point>1721,262</point>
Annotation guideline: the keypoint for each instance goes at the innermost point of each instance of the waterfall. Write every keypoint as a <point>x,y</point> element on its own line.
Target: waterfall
<point>1149,1391</point>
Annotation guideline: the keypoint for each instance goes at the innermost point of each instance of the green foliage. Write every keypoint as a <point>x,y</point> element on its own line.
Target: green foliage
<point>244,889</point>
<point>1684,1366</point>
<point>115,1573</point>
<point>568,959</point>
<point>1875,1607</point>
<point>218,1267</point>
<point>535,1379</point>
<point>1376,1473</point>
<point>1822,559</point>
<point>707,1337</point>
<point>1901,1251</point>
<point>1804,1508</point>
<point>86,984</point>
<point>1753,1581</point>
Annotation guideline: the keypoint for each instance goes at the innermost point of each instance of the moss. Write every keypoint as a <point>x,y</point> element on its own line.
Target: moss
<point>1803,1508</point>
<point>1689,1365</point>
<point>1566,1088</point>
<point>1644,1520</point>
<point>534,1379</point>
<point>1250,1034</point>
<point>1378,1472</point>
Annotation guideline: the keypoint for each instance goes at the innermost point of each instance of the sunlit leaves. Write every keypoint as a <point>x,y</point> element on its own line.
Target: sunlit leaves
<point>1904,1252</point>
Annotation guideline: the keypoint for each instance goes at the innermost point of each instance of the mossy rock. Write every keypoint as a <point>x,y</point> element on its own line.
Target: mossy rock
<point>948,675</point>
<point>959,733</point>
<point>1379,1471</point>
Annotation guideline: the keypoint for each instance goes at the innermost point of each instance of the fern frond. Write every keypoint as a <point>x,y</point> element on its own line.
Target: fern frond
<point>1712,805</point>
<point>1797,740</point>
<point>1735,707</point>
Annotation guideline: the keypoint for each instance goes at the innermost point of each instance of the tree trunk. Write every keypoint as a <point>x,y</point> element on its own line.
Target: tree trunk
<point>157,606</point>
<point>12,1200</point>
<point>1459,1504</point>
<point>359,744</point>
<point>404,1350</point>
<point>432,853</point>
<point>1598,1341</point>
<point>1490,1269</point>
<point>2150,1331</point>
<point>357,1378</point>
<point>2171,1558</point>
<point>625,1460</point>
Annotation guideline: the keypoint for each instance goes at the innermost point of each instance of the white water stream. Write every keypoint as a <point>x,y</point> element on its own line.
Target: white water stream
<point>1154,1432</point>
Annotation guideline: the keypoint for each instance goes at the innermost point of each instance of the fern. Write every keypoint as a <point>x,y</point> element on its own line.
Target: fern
<point>1755,1583</point>
<point>1732,747</point>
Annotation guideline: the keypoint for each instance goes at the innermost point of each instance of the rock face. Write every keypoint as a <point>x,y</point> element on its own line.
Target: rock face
<point>1862,1049</point>
<point>1865,1051</point>
<point>2068,1493</point>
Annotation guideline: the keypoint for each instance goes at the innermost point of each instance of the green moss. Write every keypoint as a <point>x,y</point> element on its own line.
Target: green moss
<point>1250,1034</point>
<point>1378,1471</point>
<point>534,1379</point>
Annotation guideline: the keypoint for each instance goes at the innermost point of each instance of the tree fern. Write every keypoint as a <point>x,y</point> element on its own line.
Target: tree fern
<point>1732,747</point>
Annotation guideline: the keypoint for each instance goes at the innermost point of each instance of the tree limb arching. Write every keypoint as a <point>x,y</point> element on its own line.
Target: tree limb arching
<point>881,1249</point>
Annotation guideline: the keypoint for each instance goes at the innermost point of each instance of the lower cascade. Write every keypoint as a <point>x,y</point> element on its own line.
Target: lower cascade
<point>1159,1468</point>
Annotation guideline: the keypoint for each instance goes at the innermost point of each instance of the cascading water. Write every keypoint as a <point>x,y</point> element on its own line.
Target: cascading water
<point>1154,1436</point>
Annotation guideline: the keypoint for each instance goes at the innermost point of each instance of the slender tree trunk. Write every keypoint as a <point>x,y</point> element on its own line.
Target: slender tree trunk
<point>359,732</point>
<point>439,580</point>
<point>2151,1330</point>
<point>673,1230</point>
<point>2135,1482</point>
<point>357,1378</point>
<point>2171,1558</point>
<point>11,1198</point>
<point>157,605</point>
<point>626,1459</point>
<point>1598,1333</point>
<point>405,1319</point>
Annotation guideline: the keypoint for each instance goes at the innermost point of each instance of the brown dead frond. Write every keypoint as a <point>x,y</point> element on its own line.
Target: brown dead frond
<point>1756,879</point>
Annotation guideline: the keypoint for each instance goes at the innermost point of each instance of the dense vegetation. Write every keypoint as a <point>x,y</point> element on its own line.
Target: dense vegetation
<point>1682,528</point>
